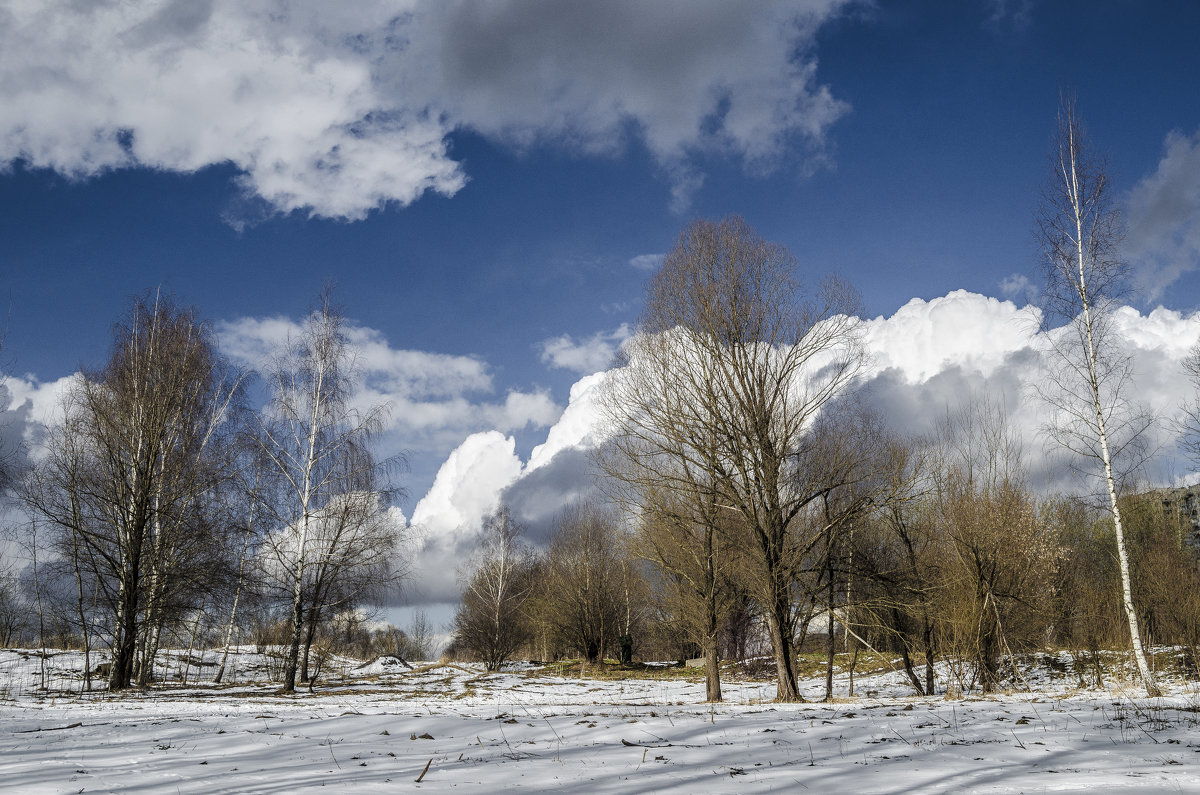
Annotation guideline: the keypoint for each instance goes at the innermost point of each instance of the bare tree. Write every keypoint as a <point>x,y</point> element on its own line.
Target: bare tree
<point>249,532</point>
<point>491,622</point>
<point>659,475</point>
<point>732,365</point>
<point>897,565</point>
<point>422,640</point>
<point>1081,232</point>
<point>128,474</point>
<point>354,554</point>
<point>845,467</point>
<point>580,584</point>
<point>14,611</point>
<point>330,511</point>
<point>997,555</point>
<point>696,555</point>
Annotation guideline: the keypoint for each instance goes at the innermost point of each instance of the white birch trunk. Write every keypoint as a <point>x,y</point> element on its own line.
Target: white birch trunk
<point>1082,287</point>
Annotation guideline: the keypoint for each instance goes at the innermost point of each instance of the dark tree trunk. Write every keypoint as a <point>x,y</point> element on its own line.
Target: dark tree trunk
<point>712,669</point>
<point>290,666</point>
<point>929,672</point>
<point>781,640</point>
<point>831,637</point>
<point>909,670</point>
<point>125,648</point>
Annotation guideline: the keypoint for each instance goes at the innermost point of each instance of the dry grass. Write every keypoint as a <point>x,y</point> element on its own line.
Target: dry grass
<point>611,670</point>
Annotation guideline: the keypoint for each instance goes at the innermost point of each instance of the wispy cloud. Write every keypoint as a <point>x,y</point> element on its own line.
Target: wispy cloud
<point>1014,14</point>
<point>1018,287</point>
<point>584,356</point>
<point>647,262</point>
<point>436,399</point>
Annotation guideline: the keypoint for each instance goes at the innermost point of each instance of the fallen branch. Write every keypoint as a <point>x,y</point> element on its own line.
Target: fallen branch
<point>628,744</point>
<point>51,729</point>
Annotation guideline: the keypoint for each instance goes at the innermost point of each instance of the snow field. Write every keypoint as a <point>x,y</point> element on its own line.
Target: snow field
<point>526,729</point>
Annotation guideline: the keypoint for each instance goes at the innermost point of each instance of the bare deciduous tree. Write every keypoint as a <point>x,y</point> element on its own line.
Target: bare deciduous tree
<point>732,364</point>
<point>14,612</point>
<point>422,642</point>
<point>659,474</point>
<point>1080,233</point>
<point>580,584</point>
<point>695,553</point>
<point>353,551</point>
<point>998,557</point>
<point>249,532</point>
<point>896,563</point>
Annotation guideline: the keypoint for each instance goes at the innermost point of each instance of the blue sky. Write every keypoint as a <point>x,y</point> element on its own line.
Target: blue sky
<point>925,183</point>
<point>488,184</point>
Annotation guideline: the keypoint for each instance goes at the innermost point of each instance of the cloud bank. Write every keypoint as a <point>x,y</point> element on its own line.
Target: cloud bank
<point>337,109</point>
<point>927,358</point>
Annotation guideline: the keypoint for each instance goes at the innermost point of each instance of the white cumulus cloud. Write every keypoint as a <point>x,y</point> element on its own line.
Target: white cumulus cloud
<point>42,398</point>
<point>28,407</point>
<point>336,109</point>
<point>577,427</point>
<point>961,329</point>
<point>449,516</point>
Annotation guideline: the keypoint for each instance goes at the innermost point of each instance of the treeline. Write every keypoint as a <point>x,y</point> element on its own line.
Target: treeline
<point>161,509</point>
<point>939,559</point>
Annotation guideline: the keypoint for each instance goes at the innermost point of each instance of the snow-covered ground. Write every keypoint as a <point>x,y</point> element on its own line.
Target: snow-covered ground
<point>380,728</point>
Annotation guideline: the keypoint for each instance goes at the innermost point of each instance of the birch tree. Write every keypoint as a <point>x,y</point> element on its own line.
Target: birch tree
<point>316,442</point>
<point>128,474</point>
<point>1088,387</point>
<point>491,622</point>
